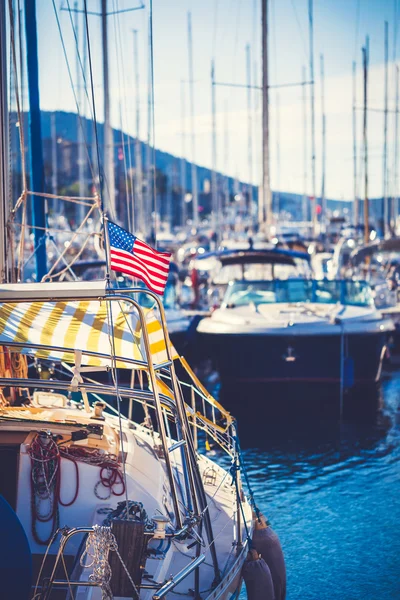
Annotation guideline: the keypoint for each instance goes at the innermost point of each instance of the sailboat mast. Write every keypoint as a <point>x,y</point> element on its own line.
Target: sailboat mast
<point>323,199</point>
<point>305,148</point>
<point>4,180</point>
<point>109,183</point>
<point>54,163</point>
<point>266,185</point>
<point>225,207</point>
<point>183,159</point>
<point>79,136</point>
<point>355,196</point>
<point>249,130</point>
<point>195,201</point>
<point>312,98</point>
<point>365,53</point>
<point>395,207</point>
<point>138,148</point>
<point>385,134</point>
<point>214,191</point>
<point>36,149</point>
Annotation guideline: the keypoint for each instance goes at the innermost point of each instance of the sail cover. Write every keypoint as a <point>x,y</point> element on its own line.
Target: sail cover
<point>85,326</point>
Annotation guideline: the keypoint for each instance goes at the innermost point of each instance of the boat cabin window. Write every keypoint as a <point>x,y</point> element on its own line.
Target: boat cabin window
<point>260,271</point>
<point>354,293</point>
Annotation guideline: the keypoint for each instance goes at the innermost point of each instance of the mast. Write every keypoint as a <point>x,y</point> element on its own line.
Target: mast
<point>4,180</point>
<point>109,183</point>
<point>79,124</point>
<point>54,163</point>
<point>395,207</point>
<point>249,131</point>
<point>385,133</point>
<point>138,148</point>
<point>355,200</point>
<point>225,208</point>
<point>215,217</point>
<point>312,97</point>
<point>365,53</point>
<point>323,199</point>
<point>36,149</point>
<point>305,149</point>
<point>266,185</point>
<point>149,205</point>
<point>183,159</point>
<point>195,202</point>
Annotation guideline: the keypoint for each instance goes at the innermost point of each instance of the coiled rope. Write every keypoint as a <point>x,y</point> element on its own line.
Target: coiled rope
<point>45,457</point>
<point>99,543</point>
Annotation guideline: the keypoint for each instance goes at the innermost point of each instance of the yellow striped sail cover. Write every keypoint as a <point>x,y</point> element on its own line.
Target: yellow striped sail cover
<point>82,326</point>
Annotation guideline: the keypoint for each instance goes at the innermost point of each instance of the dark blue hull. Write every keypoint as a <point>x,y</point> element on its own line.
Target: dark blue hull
<point>319,359</point>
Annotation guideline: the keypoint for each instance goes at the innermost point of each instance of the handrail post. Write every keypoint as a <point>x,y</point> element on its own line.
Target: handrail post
<point>193,400</point>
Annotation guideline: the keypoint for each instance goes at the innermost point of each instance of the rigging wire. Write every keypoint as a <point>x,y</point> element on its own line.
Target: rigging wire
<point>85,87</point>
<point>122,93</point>
<point>93,102</point>
<point>302,36</point>
<point>72,84</point>
<point>152,110</point>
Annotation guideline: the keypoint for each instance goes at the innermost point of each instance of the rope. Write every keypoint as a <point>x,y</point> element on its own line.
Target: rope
<point>99,543</point>
<point>246,477</point>
<point>68,266</point>
<point>71,241</point>
<point>46,478</point>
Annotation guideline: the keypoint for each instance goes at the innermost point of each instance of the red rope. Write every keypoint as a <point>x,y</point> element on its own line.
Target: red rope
<point>46,478</point>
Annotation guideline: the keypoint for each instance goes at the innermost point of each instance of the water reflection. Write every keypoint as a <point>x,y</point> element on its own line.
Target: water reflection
<point>330,489</point>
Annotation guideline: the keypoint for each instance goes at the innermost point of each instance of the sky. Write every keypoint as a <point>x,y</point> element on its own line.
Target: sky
<point>221,29</point>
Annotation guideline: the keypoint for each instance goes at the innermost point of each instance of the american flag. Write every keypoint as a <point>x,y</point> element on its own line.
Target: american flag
<point>133,257</point>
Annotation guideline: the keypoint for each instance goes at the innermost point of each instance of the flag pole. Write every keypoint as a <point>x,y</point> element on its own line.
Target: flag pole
<point>104,219</point>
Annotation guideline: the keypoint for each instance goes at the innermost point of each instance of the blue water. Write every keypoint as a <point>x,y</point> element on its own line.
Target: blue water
<point>333,496</point>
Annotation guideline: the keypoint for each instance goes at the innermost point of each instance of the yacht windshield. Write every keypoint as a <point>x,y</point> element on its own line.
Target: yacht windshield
<point>355,293</point>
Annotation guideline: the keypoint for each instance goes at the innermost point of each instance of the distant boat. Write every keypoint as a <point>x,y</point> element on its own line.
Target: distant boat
<point>217,269</point>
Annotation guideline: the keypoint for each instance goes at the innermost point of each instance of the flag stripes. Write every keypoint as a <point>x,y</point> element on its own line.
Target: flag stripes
<point>135,258</point>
